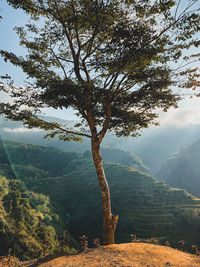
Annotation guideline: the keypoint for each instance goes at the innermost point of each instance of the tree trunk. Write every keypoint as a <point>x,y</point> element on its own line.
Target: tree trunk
<point>109,220</point>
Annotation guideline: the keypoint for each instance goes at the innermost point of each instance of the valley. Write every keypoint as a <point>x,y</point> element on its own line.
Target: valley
<point>62,186</point>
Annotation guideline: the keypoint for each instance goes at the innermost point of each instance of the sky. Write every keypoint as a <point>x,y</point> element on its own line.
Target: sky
<point>9,41</point>
<point>187,113</point>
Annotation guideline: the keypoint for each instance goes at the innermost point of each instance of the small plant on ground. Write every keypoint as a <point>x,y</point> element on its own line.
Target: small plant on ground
<point>96,242</point>
<point>196,250</point>
<point>133,238</point>
<point>181,243</point>
<point>64,242</point>
<point>83,242</point>
<point>167,243</point>
<point>154,241</point>
<point>9,252</point>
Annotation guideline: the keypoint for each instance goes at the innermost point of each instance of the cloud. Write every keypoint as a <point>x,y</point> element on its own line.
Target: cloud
<point>21,130</point>
<point>187,113</point>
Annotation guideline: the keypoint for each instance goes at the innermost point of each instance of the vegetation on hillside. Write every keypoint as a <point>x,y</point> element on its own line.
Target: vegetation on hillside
<point>66,198</point>
<point>115,62</point>
<point>153,147</point>
<point>23,227</point>
<point>148,208</point>
<point>182,169</point>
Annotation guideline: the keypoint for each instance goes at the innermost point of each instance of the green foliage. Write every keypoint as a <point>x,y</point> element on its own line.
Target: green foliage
<point>34,161</point>
<point>146,207</point>
<point>109,60</point>
<point>23,228</point>
<point>3,186</point>
<point>67,199</point>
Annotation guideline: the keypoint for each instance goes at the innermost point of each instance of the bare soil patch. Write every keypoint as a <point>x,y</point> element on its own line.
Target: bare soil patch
<point>127,255</point>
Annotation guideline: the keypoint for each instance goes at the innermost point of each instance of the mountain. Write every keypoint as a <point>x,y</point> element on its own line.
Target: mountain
<point>153,147</point>
<point>120,156</point>
<point>156,144</point>
<point>182,169</point>
<point>15,131</point>
<point>147,207</point>
<point>20,159</point>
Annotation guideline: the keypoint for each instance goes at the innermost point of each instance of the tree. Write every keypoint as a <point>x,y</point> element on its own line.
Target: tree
<point>114,62</point>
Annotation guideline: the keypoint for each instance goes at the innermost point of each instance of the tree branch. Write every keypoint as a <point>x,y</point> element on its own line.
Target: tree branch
<point>58,60</point>
<point>107,81</point>
<point>177,8</point>
<point>173,23</point>
<point>74,55</point>
<point>50,124</point>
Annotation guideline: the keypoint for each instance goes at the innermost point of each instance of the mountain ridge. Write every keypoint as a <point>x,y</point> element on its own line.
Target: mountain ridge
<point>182,169</point>
<point>146,207</point>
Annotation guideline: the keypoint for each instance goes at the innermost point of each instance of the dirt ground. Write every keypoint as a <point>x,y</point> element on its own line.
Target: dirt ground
<point>127,255</point>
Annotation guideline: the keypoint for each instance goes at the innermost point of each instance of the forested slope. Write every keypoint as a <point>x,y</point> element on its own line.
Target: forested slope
<point>146,207</point>
<point>25,222</point>
<point>36,161</point>
<point>182,169</point>
<point>154,146</point>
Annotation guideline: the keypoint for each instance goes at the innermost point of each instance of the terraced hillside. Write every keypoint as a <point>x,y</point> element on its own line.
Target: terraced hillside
<point>182,169</point>
<point>146,207</point>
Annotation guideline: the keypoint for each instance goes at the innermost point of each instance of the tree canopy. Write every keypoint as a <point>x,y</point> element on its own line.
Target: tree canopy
<point>115,60</point>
